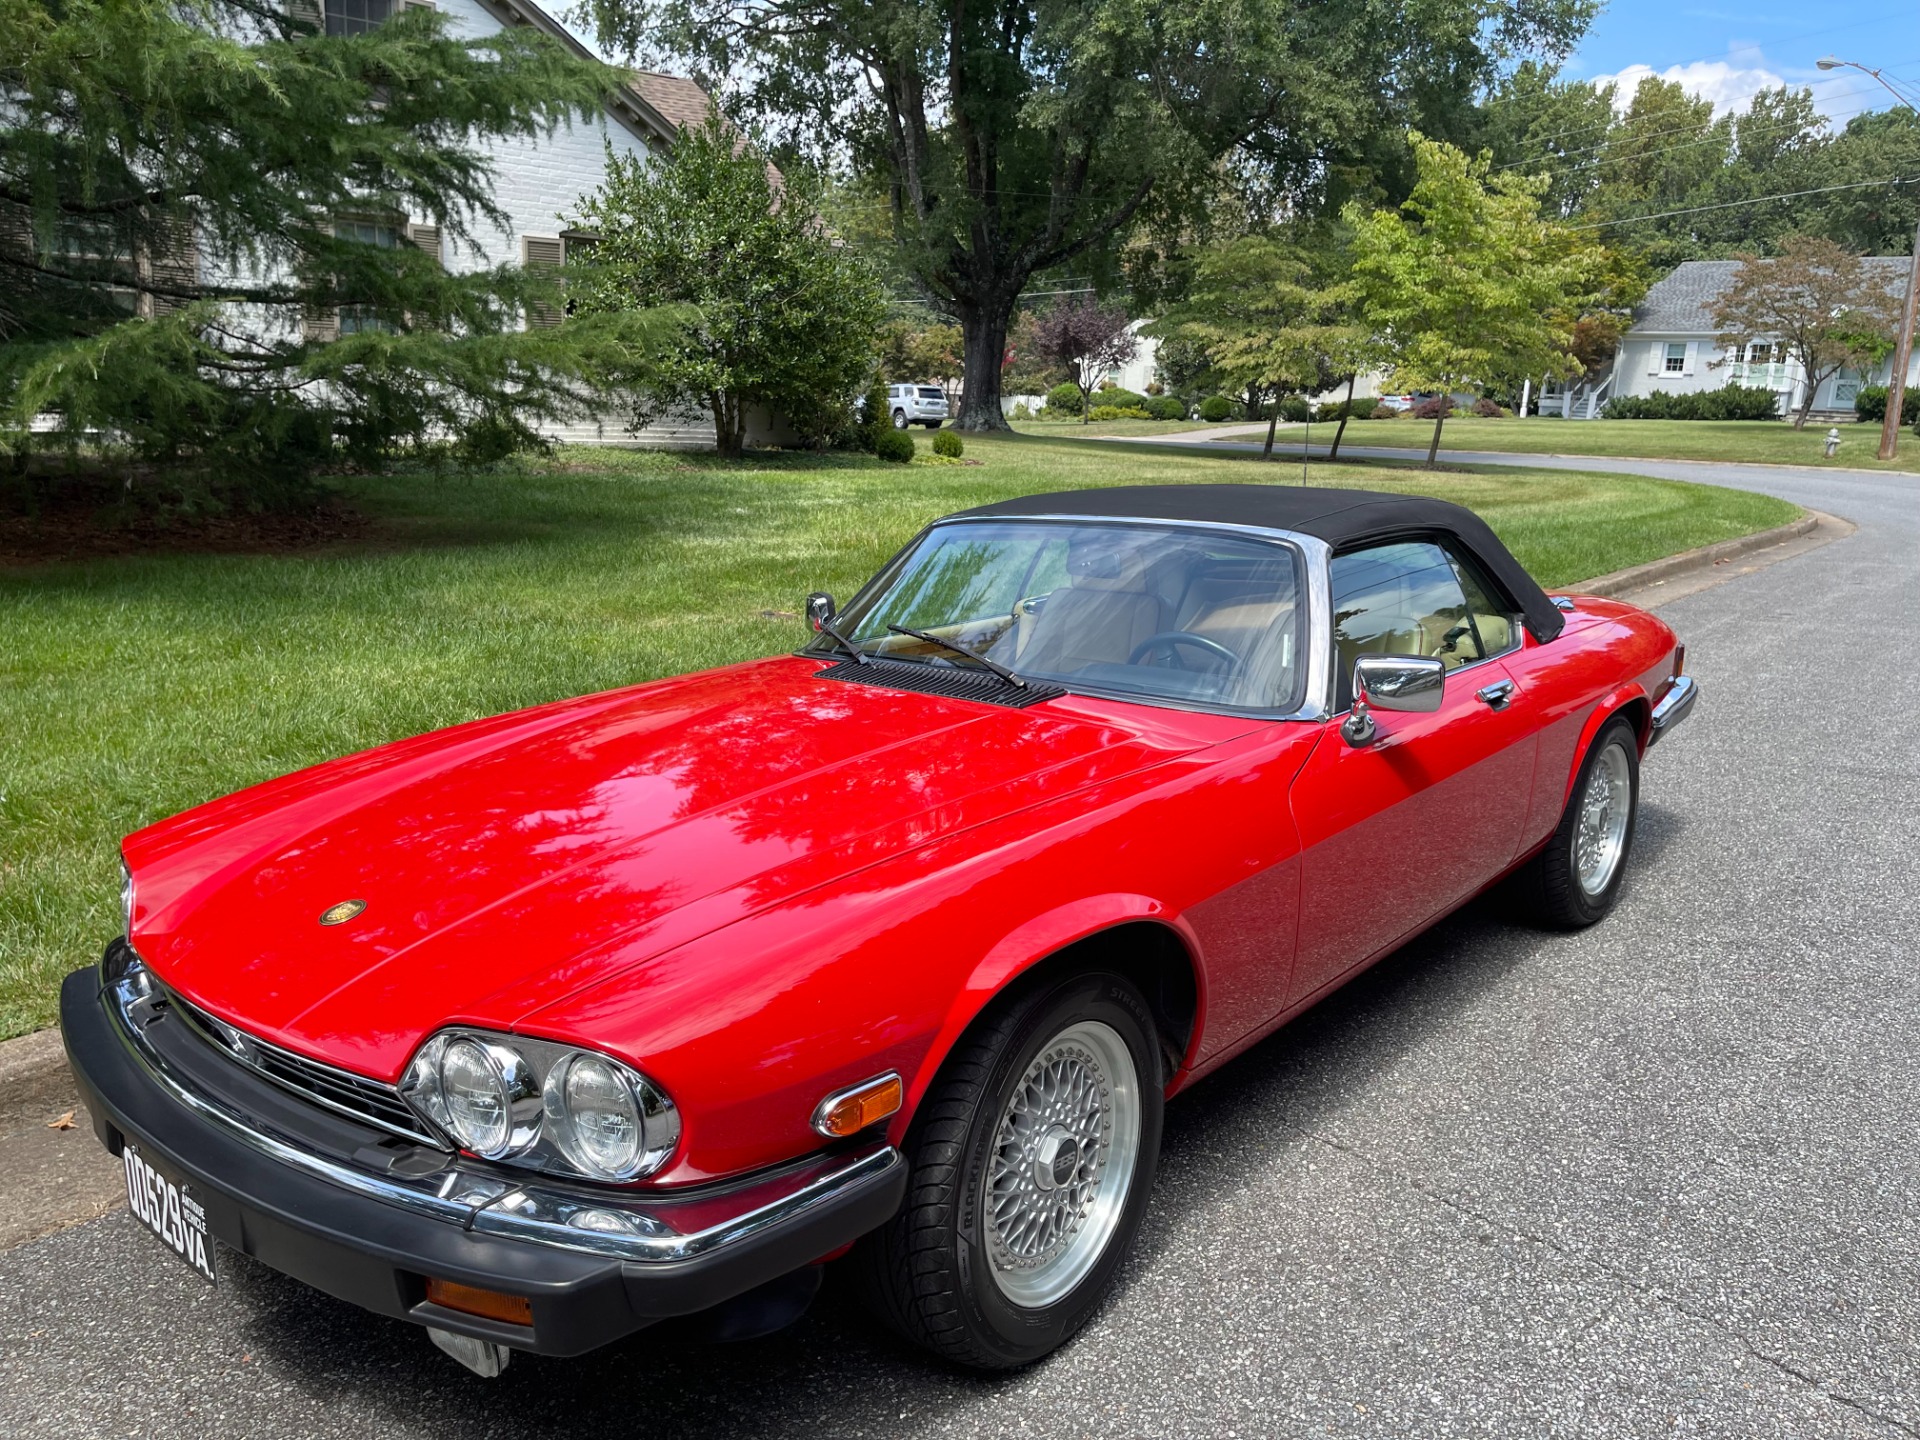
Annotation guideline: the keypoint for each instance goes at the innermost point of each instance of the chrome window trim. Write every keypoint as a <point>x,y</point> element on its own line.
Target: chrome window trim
<point>1317,643</point>
<point>481,1201</point>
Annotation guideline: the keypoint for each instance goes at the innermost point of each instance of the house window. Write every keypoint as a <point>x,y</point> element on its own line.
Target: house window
<point>356,17</point>
<point>1760,352</point>
<point>1676,359</point>
<point>364,319</point>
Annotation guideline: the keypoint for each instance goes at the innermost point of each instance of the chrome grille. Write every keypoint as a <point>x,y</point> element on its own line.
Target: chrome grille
<point>371,1101</point>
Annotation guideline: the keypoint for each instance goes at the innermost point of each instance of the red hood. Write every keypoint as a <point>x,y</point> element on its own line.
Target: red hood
<point>507,863</point>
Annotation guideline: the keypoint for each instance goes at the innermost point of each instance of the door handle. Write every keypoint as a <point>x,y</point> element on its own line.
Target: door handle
<point>1496,695</point>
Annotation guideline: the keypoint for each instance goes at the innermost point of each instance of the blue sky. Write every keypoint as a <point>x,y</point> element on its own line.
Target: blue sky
<point>1726,49</point>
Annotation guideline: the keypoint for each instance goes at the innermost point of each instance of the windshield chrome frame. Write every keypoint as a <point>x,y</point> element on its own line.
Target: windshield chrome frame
<point>1317,694</point>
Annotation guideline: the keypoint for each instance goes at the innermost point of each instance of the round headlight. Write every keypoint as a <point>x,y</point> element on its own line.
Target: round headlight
<point>490,1100</point>
<point>602,1130</point>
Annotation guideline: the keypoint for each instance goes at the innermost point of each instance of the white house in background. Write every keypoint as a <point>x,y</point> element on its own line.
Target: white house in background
<point>1674,346</point>
<point>536,182</point>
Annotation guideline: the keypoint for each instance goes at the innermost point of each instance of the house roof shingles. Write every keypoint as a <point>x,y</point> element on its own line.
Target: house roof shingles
<point>1682,303</point>
<point>674,97</point>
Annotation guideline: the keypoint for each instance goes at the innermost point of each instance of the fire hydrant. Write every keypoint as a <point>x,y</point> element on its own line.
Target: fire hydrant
<point>1833,442</point>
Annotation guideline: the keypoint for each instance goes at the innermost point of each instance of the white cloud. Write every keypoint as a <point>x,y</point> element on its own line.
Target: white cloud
<point>1727,85</point>
<point>1732,82</point>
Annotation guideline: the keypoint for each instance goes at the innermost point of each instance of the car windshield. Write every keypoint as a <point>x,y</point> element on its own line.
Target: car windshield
<point>1167,612</point>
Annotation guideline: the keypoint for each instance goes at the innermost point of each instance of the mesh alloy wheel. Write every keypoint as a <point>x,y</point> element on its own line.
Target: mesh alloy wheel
<point>1061,1165</point>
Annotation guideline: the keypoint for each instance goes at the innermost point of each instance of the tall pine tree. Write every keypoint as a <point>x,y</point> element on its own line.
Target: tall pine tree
<point>221,236</point>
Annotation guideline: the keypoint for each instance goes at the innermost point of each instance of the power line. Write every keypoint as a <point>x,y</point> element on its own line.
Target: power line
<point>1736,204</point>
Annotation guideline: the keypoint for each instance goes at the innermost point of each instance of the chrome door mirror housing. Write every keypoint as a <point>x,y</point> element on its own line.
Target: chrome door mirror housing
<point>820,610</point>
<point>1412,683</point>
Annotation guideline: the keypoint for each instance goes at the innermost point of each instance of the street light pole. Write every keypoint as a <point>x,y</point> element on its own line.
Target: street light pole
<point>1903,343</point>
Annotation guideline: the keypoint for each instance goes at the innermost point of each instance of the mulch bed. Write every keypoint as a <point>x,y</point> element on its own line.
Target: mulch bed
<point>77,524</point>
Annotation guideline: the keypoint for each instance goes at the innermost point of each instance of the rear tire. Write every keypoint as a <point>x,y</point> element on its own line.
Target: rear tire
<point>1032,1156</point>
<point>1575,881</point>
<point>899,419</point>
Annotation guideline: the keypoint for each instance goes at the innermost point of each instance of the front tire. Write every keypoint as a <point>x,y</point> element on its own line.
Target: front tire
<point>1575,881</point>
<point>1032,1156</point>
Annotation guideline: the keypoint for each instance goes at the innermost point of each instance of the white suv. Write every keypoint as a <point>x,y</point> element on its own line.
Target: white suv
<point>917,405</point>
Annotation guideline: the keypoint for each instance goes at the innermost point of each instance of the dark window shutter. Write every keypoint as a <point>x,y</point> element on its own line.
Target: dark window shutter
<point>543,252</point>
<point>174,265</point>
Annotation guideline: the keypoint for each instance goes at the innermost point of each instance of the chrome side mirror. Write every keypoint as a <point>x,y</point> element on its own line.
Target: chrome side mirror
<point>820,610</point>
<point>1412,683</point>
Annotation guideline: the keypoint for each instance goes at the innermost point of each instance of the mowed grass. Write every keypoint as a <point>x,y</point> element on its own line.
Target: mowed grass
<point>1764,442</point>
<point>133,688</point>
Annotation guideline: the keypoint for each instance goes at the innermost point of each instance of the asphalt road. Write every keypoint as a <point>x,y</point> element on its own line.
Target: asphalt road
<point>1654,1179</point>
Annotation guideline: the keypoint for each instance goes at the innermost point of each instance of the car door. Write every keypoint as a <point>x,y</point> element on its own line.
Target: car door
<point>1395,833</point>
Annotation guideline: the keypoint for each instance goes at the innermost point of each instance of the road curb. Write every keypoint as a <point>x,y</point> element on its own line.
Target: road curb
<point>26,1063</point>
<point>1692,562</point>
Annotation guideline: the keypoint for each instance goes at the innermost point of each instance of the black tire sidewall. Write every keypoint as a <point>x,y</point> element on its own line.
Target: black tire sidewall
<point>1595,907</point>
<point>899,419</point>
<point>1017,1334</point>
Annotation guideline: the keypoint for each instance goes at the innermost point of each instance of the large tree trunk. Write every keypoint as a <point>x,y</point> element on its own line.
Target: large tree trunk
<point>1433,450</point>
<point>726,425</point>
<point>984,329</point>
<point>1346,413</point>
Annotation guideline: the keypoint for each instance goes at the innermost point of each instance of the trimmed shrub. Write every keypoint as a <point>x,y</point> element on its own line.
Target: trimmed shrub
<point>1871,404</point>
<point>1216,408</point>
<point>1165,407</point>
<point>1436,408</point>
<point>874,419</point>
<point>1361,409</point>
<point>1729,402</point>
<point>948,443</point>
<point>1020,411</point>
<point>1154,387</point>
<point>1380,411</point>
<point>1294,409</point>
<point>1487,410</point>
<point>1118,399</point>
<point>1065,398</point>
<point>894,445</point>
<point>1118,412</point>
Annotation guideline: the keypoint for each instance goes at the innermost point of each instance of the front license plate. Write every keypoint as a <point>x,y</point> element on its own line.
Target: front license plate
<point>165,1205</point>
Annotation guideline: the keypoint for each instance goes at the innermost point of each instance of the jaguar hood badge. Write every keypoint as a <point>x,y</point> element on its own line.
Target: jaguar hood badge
<point>341,913</point>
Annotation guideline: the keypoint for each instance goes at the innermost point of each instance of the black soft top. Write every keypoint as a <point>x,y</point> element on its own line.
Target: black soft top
<point>1345,519</point>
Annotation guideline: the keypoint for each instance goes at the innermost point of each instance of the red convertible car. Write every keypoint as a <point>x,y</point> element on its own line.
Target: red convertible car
<point>544,1028</point>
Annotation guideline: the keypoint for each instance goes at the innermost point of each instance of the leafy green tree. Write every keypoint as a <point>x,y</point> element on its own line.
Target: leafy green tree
<point>1466,282</point>
<point>1816,299</point>
<point>1019,136</point>
<point>194,193</point>
<point>787,316</point>
<point>1272,319</point>
<point>1086,339</point>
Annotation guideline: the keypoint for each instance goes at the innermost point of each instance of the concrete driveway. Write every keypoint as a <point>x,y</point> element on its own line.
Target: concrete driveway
<point>1654,1179</point>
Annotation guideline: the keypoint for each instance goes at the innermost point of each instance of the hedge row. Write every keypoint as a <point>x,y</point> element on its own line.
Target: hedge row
<point>1729,402</point>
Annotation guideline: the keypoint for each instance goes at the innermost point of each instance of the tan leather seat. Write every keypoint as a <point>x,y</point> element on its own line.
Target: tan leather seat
<point>1104,611</point>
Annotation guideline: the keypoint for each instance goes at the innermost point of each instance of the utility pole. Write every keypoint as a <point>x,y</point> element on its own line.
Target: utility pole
<point>1902,357</point>
<point>1903,344</point>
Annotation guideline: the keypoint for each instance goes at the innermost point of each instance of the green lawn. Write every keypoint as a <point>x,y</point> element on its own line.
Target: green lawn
<point>1769,442</point>
<point>133,688</point>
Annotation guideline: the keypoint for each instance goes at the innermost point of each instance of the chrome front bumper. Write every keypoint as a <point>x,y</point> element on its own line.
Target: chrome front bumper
<point>1673,707</point>
<point>597,1262</point>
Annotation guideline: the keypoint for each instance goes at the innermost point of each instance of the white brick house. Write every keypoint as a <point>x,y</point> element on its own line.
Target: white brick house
<point>539,181</point>
<point>1674,346</point>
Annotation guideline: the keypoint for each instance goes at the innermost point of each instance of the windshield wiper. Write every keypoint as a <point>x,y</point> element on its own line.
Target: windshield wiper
<point>974,655</point>
<point>832,632</point>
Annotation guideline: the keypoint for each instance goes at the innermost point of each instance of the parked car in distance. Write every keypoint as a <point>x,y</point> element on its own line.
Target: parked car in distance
<point>917,405</point>
<point>887,952</point>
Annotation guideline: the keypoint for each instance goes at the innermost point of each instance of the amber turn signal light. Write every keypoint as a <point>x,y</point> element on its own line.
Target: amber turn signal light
<point>849,1111</point>
<point>472,1300</point>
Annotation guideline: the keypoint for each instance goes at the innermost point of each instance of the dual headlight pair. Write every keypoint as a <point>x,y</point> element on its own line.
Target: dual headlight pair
<point>541,1104</point>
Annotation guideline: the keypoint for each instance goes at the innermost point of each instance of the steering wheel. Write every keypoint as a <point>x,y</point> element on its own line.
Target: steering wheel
<point>1168,640</point>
